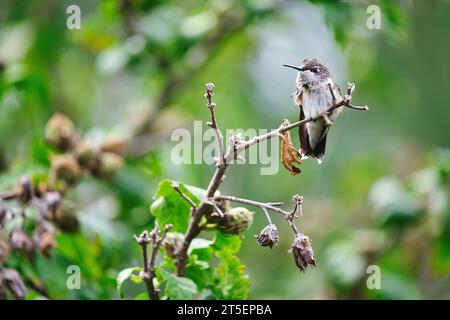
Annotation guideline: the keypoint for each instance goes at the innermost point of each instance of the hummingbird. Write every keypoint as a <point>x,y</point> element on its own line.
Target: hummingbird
<point>313,96</point>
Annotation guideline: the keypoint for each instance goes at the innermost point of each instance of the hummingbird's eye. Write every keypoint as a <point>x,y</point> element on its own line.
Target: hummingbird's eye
<point>316,69</point>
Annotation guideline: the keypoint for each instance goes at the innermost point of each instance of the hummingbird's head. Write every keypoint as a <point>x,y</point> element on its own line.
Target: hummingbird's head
<point>311,72</point>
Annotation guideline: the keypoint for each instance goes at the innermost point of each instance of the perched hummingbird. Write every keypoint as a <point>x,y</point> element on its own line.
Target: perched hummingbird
<point>313,96</point>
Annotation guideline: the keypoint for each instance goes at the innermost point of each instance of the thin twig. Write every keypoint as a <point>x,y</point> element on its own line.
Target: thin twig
<point>213,124</point>
<point>269,219</point>
<point>176,187</point>
<point>216,207</point>
<point>253,203</point>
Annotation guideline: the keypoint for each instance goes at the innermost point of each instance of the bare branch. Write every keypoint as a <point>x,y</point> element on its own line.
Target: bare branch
<point>155,238</point>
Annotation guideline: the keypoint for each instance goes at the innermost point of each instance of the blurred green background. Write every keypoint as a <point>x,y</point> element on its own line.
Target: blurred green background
<point>138,68</point>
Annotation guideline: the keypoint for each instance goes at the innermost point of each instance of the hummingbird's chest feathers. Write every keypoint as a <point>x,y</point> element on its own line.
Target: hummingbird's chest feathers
<point>316,100</point>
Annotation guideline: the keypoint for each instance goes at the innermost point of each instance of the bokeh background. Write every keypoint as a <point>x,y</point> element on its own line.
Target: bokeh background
<point>138,68</point>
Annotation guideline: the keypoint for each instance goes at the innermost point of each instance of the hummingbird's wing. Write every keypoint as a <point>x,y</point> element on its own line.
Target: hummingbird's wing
<point>305,148</point>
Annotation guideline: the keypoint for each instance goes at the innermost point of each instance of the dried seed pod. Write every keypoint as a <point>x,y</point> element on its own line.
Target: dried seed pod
<point>236,220</point>
<point>65,167</point>
<point>114,144</point>
<point>85,153</point>
<point>268,237</point>
<point>19,240</point>
<point>10,280</point>
<point>44,237</point>
<point>172,243</point>
<point>52,200</point>
<point>303,252</point>
<point>60,132</point>
<point>109,163</point>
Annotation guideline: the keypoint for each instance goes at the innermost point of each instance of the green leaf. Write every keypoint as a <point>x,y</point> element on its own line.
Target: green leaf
<point>225,242</point>
<point>170,207</point>
<point>142,296</point>
<point>178,288</point>
<point>232,282</point>
<point>199,271</point>
<point>123,276</point>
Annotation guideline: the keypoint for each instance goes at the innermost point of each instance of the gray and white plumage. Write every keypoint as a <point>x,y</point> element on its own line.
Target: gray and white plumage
<point>313,97</point>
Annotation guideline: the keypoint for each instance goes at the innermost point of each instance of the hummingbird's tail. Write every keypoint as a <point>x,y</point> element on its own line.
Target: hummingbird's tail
<point>317,153</point>
<point>306,150</point>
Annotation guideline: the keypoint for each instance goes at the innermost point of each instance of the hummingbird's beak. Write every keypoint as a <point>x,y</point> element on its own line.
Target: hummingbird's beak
<point>301,68</point>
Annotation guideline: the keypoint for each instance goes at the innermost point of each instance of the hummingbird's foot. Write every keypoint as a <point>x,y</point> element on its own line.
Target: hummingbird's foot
<point>327,120</point>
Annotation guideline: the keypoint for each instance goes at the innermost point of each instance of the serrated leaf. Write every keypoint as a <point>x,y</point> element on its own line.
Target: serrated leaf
<point>199,271</point>
<point>178,288</point>
<point>232,282</point>
<point>170,207</point>
<point>123,276</point>
<point>225,242</point>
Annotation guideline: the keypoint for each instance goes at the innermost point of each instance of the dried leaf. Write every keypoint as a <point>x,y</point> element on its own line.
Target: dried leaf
<point>289,154</point>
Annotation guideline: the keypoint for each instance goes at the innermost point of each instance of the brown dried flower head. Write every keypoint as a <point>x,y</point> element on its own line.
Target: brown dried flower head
<point>20,240</point>
<point>268,237</point>
<point>65,167</point>
<point>60,132</point>
<point>303,252</point>
<point>44,237</point>
<point>11,281</point>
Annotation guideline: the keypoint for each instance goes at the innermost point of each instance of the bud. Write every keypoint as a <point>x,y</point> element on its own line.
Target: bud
<point>172,243</point>
<point>303,252</point>
<point>66,168</point>
<point>114,144</point>
<point>10,279</point>
<point>4,250</point>
<point>143,239</point>
<point>85,152</point>
<point>19,240</point>
<point>109,164</point>
<point>60,132</point>
<point>268,237</point>
<point>44,237</point>
<point>235,220</point>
